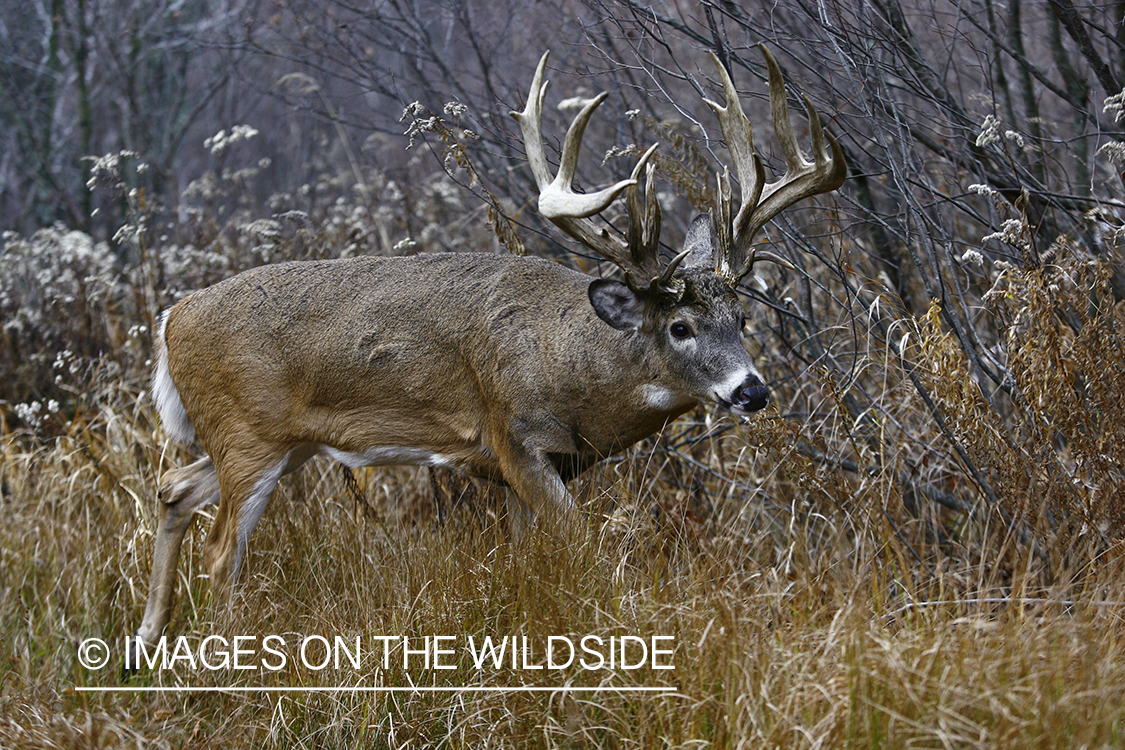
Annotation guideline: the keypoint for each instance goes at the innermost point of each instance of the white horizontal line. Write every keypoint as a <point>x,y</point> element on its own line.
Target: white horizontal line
<point>372,689</point>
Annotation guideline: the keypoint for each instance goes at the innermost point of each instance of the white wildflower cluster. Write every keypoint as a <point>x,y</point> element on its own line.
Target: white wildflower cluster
<point>129,234</point>
<point>223,140</point>
<point>997,293</point>
<point>30,414</point>
<point>264,234</point>
<point>419,123</point>
<point>265,230</point>
<point>238,177</point>
<point>136,340</point>
<point>186,267</point>
<point>1000,291</point>
<point>66,361</point>
<point>344,223</point>
<point>353,224</point>
<point>615,151</point>
<point>974,257</point>
<point>212,188</point>
<point>108,168</point>
<point>294,216</point>
<point>423,121</point>
<point>413,110</point>
<point>204,188</point>
<point>1115,150</point>
<point>989,131</point>
<point>279,204</point>
<point>43,278</point>
<point>1116,105</point>
<point>1014,232</point>
<point>33,413</point>
<point>440,193</point>
<point>984,190</point>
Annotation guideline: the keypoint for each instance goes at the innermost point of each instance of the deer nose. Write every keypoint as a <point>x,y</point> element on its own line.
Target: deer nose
<point>752,396</point>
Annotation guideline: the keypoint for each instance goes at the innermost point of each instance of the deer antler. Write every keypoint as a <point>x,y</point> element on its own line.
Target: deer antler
<point>637,253</point>
<point>761,201</point>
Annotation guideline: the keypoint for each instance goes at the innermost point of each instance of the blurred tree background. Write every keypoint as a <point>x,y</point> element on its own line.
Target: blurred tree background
<point>928,99</point>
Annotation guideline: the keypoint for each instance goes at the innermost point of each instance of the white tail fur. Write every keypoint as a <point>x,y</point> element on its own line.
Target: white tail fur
<point>164,393</point>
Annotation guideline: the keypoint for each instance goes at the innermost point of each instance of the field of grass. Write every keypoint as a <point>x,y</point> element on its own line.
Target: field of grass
<point>791,624</point>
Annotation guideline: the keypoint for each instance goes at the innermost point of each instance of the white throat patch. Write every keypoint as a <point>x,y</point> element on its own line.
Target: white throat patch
<point>659,397</point>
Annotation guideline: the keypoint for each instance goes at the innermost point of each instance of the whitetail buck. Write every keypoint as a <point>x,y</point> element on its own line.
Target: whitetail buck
<point>515,369</point>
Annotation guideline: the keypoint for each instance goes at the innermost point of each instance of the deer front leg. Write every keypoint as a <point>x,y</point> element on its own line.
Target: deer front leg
<point>537,491</point>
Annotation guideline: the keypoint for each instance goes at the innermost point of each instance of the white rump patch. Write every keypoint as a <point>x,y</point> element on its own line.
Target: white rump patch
<point>166,396</point>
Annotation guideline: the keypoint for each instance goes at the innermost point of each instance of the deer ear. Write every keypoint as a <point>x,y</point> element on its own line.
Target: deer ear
<point>616,304</point>
<point>700,241</point>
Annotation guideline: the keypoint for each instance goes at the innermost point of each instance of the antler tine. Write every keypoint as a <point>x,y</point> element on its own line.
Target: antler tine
<point>637,255</point>
<point>802,179</point>
<point>529,120</point>
<point>761,201</point>
<point>739,136</point>
<point>558,200</point>
<point>644,222</point>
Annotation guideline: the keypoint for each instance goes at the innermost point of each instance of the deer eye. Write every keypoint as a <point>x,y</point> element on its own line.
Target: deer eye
<point>681,331</point>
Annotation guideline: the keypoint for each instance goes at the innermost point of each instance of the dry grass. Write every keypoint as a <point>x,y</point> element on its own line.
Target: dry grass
<point>797,622</point>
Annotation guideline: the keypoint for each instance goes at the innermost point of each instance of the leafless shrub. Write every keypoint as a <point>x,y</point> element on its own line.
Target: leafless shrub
<point>1052,456</point>
<point>64,306</point>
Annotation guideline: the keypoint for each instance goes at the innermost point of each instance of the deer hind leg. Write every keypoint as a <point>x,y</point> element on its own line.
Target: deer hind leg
<point>181,492</point>
<point>246,482</point>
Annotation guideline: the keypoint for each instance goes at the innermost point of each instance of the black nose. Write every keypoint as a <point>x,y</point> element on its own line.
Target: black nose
<point>752,398</point>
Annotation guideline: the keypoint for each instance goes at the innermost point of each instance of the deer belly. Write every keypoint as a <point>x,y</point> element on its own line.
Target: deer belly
<point>388,455</point>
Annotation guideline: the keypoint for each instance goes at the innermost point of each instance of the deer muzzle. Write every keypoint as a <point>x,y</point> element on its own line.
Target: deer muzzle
<point>747,394</point>
<point>750,396</point>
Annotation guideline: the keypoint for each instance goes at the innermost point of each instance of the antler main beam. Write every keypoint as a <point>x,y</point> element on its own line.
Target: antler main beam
<point>761,201</point>
<point>637,253</point>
